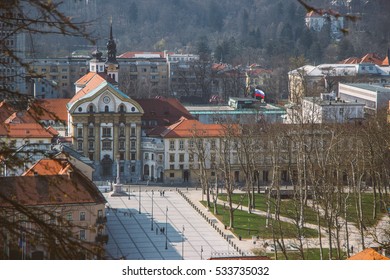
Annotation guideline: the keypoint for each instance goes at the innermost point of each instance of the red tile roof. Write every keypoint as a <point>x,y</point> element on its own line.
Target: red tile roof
<point>50,109</point>
<point>46,166</point>
<point>219,66</point>
<point>5,111</point>
<point>164,111</point>
<point>185,128</point>
<point>139,54</point>
<point>85,79</point>
<point>368,58</point>
<point>368,254</point>
<point>372,58</point>
<point>93,81</point>
<point>20,117</point>
<point>27,130</point>
<point>49,190</point>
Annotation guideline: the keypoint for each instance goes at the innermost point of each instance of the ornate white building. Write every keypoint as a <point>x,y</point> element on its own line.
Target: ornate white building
<point>104,122</point>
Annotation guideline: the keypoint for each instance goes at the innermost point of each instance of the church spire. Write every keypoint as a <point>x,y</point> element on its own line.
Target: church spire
<point>111,64</point>
<point>111,48</point>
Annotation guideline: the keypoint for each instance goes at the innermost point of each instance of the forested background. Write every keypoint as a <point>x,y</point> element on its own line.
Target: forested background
<point>239,32</point>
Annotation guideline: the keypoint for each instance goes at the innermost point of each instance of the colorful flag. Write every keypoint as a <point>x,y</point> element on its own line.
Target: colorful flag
<point>259,93</point>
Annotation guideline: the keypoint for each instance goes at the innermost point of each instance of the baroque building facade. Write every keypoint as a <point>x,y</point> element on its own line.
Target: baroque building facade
<point>104,122</point>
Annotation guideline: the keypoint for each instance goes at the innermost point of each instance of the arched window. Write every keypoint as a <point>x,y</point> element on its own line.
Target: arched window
<point>90,108</point>
<point>121,109</point>
<point>106,109</point>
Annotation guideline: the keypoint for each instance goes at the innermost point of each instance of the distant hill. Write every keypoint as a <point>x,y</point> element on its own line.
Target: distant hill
<point>237,32</point>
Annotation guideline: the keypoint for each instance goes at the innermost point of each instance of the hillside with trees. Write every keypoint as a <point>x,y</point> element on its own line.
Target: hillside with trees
<point>238,32</point>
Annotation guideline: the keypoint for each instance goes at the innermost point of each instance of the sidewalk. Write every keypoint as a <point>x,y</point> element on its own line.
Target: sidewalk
<point>159,225</point>
<point>243,247</point>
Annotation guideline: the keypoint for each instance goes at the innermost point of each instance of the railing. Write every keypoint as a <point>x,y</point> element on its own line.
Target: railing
<point>101,238</point>
<point>101,220</point>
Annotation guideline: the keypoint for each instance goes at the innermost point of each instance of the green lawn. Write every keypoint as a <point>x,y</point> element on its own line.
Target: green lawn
<point>247,225</point>
<point>367,207</point>
<point>288,208</point>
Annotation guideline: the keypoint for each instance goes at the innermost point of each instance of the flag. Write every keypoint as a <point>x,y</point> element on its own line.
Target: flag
<point>259,93</point>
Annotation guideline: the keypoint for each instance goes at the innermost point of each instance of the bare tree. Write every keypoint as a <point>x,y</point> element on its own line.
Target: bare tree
<point>18,18</point>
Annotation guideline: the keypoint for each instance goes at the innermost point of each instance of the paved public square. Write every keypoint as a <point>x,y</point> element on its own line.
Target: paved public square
<point>141,230</point>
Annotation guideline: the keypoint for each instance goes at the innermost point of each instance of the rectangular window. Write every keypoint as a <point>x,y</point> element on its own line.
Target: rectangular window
<point>106,145</point>
<point>172,144</point>
<point>172,157</point>
<point>181,157</point>
<point>82,216</point>
<point>212,157</point>
<point>122,131</point>
<point>121,156</point>
<point>133,131</point>
<point>199,143</point>
<point>265,175</point>
<point>284,175</point>
<point>191,144</point>
<point>121,145</point>
<point>90,131</point>
<point>100,213</point>
<point>91,145</point>
<point>106,131</point>
<point>172,167</point>
<point>80,145</point>
<point>79,132</point>
<point>132,145</point>
<point>132,156</point>
<point>82,234</point>
<point>172,175</point>
<point>212,144</point>
<point>181,145</point>
<point>69,216</point>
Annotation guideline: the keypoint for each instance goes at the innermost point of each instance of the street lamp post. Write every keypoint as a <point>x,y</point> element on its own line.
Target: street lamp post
<point>152,210</point>
<point>182,245</point>
<point>166,229</point>
<point>139,200</point>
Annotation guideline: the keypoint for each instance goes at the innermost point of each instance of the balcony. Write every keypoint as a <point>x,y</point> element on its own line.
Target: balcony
<point>101,238</point>
<point>101,220</point>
